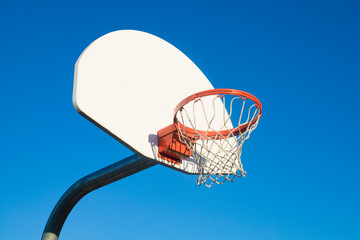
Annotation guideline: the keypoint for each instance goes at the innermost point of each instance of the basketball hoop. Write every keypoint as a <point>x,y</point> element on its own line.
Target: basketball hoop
<point>202,139</point>
<point>203,130</point>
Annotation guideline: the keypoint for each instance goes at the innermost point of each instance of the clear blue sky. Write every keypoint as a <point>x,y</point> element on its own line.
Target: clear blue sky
<point>300,58</point>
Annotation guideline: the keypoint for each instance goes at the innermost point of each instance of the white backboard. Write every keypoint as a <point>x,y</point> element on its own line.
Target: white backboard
<point>128,83</point>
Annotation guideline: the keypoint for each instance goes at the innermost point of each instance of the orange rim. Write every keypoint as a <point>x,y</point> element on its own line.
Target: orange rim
<point>224,133</point>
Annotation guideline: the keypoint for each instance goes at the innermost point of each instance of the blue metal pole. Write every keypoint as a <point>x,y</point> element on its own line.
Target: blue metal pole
<point>89,183</point>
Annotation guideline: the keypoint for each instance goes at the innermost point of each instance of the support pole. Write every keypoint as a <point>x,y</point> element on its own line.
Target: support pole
<point>89,183</point>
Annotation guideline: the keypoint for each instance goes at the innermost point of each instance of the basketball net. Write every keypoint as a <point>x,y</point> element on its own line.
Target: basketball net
<point>217,156</point>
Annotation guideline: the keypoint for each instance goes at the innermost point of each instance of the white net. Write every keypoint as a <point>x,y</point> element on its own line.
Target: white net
<point>215,143</point>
